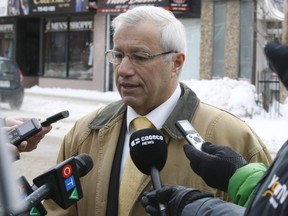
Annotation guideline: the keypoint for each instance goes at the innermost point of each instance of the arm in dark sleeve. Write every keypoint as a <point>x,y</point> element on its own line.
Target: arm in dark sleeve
<point>212,207</point>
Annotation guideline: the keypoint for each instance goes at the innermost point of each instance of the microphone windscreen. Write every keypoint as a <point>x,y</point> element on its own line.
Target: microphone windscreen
<point>84,164</point>
<point>148,148</point>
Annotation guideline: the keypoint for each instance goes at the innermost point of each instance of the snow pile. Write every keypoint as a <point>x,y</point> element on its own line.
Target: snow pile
<point>237,97</point>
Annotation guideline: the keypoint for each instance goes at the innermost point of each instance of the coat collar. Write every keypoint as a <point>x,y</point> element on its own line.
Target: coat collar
<point>184,110</point>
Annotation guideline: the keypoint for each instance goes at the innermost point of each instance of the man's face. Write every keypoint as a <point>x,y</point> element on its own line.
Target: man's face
<point>145,86</point>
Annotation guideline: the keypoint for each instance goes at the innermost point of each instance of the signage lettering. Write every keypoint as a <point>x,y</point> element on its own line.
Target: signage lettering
<point>81,25</point>
<point>131,1</point>
<point>67,171</point>
<point>39,2</point>
<point>6,28</point>
<point>75,25</point>
<point>70,183</point>
<point>120,6</point>
<point>34,211</point>
<point>56,26</point>
<point>74,195</point>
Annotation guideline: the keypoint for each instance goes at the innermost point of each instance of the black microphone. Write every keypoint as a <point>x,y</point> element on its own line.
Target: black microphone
<point>148,151</point>
<point>58,116</point>
<point>60,183</point>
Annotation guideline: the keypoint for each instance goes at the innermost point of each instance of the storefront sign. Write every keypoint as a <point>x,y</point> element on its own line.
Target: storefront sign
<point>6,28</point>
<point>56,26</point>
<point>178,5</point>
<point>3,8</point>
<point>81,25</point>
<point>29,7</point>
<point>119,6</point>
<point>46,6</point>
<point>74,26</point>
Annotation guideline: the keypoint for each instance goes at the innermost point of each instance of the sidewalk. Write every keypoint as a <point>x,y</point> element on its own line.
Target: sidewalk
<point>74,94</point>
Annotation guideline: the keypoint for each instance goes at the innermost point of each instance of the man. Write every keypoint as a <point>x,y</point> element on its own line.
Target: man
<point>225,169</point>
<point>147,57</point>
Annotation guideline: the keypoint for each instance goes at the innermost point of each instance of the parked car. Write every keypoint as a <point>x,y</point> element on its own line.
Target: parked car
<point>11,88</point>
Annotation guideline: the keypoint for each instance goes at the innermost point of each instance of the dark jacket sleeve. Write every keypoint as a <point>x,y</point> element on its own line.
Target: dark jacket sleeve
<point>212,207</point>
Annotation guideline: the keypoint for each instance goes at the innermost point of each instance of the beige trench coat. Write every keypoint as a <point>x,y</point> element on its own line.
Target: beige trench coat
<point>100,138</point>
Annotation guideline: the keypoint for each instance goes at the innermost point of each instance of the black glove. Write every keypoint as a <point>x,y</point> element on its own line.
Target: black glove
<point>215,163</point>
<point>175,198</point>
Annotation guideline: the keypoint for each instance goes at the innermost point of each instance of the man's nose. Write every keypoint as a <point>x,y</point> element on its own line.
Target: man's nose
<point>126,67</point>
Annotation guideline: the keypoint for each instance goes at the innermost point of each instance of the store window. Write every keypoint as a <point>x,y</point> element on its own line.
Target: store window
<point>191,68</point>
<point>69,48</point>
<point>81,49</point>
<point>55,48</point>
<point>219,29</point>
<point>7,41</point>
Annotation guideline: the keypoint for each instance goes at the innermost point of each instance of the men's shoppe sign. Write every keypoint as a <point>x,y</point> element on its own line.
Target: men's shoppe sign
<point>119,6</point>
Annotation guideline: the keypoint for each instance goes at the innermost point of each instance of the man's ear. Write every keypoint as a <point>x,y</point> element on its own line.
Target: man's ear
<point>178,61</point>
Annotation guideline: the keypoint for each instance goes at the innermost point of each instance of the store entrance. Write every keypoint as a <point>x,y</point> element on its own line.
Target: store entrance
<point>28,46</point>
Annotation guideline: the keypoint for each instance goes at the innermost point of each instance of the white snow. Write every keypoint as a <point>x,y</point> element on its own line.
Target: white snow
<point>238,97</point>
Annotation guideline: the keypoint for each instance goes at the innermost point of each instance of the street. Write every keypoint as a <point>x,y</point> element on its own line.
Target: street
<point>41,159</point>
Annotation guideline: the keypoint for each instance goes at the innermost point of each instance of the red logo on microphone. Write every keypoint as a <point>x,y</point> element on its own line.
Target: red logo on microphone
<point>67,171</point>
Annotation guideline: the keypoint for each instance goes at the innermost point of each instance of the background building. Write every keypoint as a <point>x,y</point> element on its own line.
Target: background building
<point>63,44</point>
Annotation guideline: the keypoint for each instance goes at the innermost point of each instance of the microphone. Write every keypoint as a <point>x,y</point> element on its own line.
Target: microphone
<point>55,118</point>
<point>148,151</point>
<point>60,183</point>
<point>24,190</point>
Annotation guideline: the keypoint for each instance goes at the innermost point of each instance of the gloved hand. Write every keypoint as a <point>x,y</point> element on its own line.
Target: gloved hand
<point>175,198</point>
<point>215,163</point>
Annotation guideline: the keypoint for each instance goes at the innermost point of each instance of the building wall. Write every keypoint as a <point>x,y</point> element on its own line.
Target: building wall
<point>100,48</point>
<point>232,39</point>
<point>206,39</point>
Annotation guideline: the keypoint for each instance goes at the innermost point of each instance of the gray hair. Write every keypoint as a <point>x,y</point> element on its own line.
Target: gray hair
<point>173,36</point>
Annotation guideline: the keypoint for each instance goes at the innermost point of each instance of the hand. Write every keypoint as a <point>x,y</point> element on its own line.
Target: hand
<point>13,151</point>
<point>32,143</point>
<point>12,121</point>
<point>175,197</point>
<point>215,163</point>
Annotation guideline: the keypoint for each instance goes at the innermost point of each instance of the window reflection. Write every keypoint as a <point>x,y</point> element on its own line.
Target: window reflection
<point>81,55</point>
<point>55,61</point>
